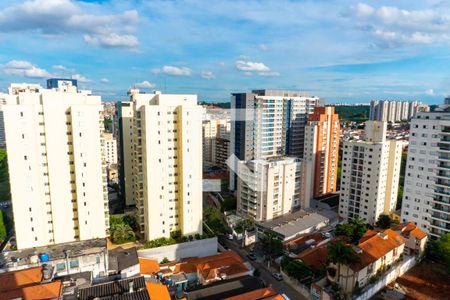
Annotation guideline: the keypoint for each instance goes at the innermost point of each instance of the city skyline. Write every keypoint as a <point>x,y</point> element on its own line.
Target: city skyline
<point>343,51</point>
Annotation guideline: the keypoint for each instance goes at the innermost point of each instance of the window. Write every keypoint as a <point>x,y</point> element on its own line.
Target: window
<point>74,264</point>
<point>60,266</point>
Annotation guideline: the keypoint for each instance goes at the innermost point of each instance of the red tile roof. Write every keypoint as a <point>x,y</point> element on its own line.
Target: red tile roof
<point>17,279</point>
<point>46,291</point>
<point>409,228</point>
<point>375,246</point>
<point>148,266</point>
<point>260,294</point>
<point>315,258</point>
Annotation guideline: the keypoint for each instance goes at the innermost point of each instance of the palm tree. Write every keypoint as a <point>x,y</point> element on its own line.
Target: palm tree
<point>340,253</point>
<point>122,232</point>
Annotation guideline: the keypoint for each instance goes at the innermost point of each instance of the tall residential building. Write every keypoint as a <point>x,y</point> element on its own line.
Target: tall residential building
<point>167,168</point>
<point>56,165</point>
<point>269,123</point>
<point>395,111</point>
<point>268,188</point>
<point>125,150</point>
<point>216,137</point>
<point>321,153</point>
<point>370,174</point>
<point>2,121</point>
<point>110,148</point>
<point>426,200</point>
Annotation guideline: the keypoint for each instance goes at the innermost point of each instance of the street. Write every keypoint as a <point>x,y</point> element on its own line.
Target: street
<point>266,275</point>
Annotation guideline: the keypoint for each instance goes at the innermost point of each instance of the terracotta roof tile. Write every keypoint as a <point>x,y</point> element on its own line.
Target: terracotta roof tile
<point>21,278</point>
<point>148,266</point>
<point>315,258</point>
<point>51,290</point>
<point>408,228</point>
<point>259,294</point>
<point>157,291</point>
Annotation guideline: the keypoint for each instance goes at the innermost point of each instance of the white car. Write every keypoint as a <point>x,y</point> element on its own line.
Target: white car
<point>277,276</point>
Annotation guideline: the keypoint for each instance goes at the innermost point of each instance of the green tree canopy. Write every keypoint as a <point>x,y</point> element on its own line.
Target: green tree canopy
<point>439,250</point>
<point>384,221</point>
<point>353,230</point>
<point>3,233</point>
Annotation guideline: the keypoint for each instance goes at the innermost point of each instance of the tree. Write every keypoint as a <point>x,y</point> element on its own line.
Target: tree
<point>256,273</point>
<point>229,203</point>
<point>123,233</point>
<point>271,245</point>
<point>439,250</point>
<point>340,253</point>
<point>353,230</point>
<point>164,261</point>
<point>3,233</point>
<point>298,270</point>
<point>384,221</point>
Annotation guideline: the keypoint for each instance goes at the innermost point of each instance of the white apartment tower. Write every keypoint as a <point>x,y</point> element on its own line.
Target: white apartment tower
<point>167,163</point>
<point>426,200</point>
<point>56,165</point>
<point>268,188</point>
<point>370,174</point>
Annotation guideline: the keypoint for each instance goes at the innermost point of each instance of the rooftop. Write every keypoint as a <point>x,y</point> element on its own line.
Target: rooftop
<point>409,228</point>
<point>148,266</point>
<point>120,259</point>
<point>294,223</point>
<point>260,294</point>
<point>225,289</point>
<point>74,249</point>
<point>50,290</point>
<point>157,291</point>
<point>315,258</point>
<point>375,245</point>
<point>130,288</point>
<point>21,278</point>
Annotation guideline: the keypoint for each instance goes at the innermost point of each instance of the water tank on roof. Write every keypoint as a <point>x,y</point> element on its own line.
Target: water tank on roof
<point>34,259</point>
<point>44,257</point>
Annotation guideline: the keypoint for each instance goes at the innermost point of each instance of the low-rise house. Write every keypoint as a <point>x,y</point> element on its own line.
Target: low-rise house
<point>28,284</point>
<point>259,294</point>
<point>125,289</point>
<point>376,252</point>
<point>61,259</point>
<point>416,238</point>
<point>123,262</point>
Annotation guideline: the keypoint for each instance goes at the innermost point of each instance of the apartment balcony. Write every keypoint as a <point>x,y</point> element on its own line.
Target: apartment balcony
<point>441,217</point>
<point>443,166</point>
<point>443,183</point>
<point>443,174</point>
<point>441,200</point>
<point>444,157</point>
<point>440,225</point>
<point>441,208</point>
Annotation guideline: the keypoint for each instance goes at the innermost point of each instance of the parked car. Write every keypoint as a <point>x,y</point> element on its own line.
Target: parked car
<point>251,256</point>
<point>277,276</point>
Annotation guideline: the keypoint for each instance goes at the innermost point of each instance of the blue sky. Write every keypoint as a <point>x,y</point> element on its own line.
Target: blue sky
<point>350,51</point>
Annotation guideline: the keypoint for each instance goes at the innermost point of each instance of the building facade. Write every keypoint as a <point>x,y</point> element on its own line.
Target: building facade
<point>56,165</point>
<point>395,111</point>
<point>216,136</point>
<point>426,200</point>
<point>167,168</point>
<point>125,150</point>
<point>370,174</point>
<point>110,148</point>
<point>268,123</point>
<point>268,188</point>
<point>321,153</point>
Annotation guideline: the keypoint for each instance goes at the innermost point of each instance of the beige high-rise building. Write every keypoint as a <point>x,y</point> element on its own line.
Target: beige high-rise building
<point>56,165</point>
<point>110,148</point>
<point>321,154</point>
<point>167,163</point>
<point>268,188</point>
<point>216,137</point>
<point>370,174</point>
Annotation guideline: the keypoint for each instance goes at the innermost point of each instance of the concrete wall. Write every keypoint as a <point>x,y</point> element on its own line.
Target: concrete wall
<point>199,248</point>
<point>398,271</point>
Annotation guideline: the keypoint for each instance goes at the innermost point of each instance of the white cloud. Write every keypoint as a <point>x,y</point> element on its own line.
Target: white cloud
<point>175,71</point>
<point>145,85</point>
<point>429,92</point>
<point>81,78</point>
<point>24,69</point>
<point>269,74</point>
<point>208,75</point>
<point>61,17</point>
<point>263,47</point>
<point>249,66</point>
<point>393,26</point>
<point>104,80</point>
<point>112,40</point>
